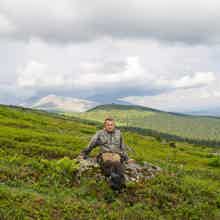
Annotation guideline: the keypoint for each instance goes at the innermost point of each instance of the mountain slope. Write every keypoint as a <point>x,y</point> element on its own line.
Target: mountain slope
<point>37,180</point>
<point>209,111</point>
<point>186,126</point>
<point>61,104</point>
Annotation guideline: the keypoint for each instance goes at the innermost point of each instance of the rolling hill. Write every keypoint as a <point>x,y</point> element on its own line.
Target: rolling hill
<point>37,151</point>
<point>54,103</point>
<point>200,128</point>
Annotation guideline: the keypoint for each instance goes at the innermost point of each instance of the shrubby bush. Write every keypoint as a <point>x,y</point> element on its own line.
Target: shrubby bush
<point>214,162</point>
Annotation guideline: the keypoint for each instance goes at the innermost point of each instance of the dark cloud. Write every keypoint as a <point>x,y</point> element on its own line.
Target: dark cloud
<point>190,22</point>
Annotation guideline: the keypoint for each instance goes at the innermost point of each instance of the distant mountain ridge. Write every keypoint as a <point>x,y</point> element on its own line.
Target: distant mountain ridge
<point>215,112</point>
<point>123,107</point>
<point>56,103</point>
<point>145,108</point>
<point>182,125</point>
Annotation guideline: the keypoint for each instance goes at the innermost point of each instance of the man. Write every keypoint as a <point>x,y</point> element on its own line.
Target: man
<point>113,153</point>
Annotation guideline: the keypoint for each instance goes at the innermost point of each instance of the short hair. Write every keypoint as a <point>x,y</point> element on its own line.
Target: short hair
<point>108,119</point>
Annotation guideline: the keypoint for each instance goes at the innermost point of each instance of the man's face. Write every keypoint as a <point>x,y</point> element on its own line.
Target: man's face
<point>109,125</point>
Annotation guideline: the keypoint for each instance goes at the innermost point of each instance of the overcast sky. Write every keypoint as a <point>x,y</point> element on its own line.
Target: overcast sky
<point>161,54</point>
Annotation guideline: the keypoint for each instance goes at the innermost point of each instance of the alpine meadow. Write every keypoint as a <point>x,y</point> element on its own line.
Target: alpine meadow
<point>38,166</point>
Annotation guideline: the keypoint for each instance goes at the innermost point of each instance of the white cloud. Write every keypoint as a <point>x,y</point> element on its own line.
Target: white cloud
<point>36,74</point>
<point>130,74</point>
<point>179,100</point>
<point>196,80</point>
<point>5,26</point>
<point>187,81</point>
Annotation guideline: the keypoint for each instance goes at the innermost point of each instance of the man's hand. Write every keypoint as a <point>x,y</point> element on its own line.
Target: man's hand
<point>131,161</point>
<point>80,157</point>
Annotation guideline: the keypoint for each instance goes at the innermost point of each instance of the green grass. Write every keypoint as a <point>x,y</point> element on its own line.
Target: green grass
<point>38,181</point>
<point>192,127</point>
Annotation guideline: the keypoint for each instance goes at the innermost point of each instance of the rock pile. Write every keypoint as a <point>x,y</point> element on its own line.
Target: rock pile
<point>134,171</point>
<point>137,172</point>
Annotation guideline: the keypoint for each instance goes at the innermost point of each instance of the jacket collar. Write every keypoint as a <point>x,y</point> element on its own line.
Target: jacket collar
<point>108,131</point>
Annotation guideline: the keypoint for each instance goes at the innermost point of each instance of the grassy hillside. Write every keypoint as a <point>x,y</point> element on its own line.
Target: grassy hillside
<point>186,126</point>
<point>37,181</point>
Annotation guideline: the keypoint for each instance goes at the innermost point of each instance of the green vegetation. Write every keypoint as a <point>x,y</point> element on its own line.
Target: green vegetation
<point>38,181</point>
<point>194,129</point>
<point>215,162</point>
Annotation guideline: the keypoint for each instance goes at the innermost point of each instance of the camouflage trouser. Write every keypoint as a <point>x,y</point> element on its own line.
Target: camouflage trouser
<point>113,168</point>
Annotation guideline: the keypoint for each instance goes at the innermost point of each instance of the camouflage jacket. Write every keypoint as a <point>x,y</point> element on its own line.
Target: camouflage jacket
<point>108,142</point>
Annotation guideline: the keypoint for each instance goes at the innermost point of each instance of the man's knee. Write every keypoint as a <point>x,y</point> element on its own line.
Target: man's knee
<point>109,167</point>
<point>106,167</point>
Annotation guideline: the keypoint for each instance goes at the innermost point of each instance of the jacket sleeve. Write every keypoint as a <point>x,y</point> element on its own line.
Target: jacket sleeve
<point>92,144</point>
<point>123,147</point>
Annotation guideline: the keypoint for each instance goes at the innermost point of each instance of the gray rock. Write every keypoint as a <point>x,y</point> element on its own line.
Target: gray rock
<point>134,171</point>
